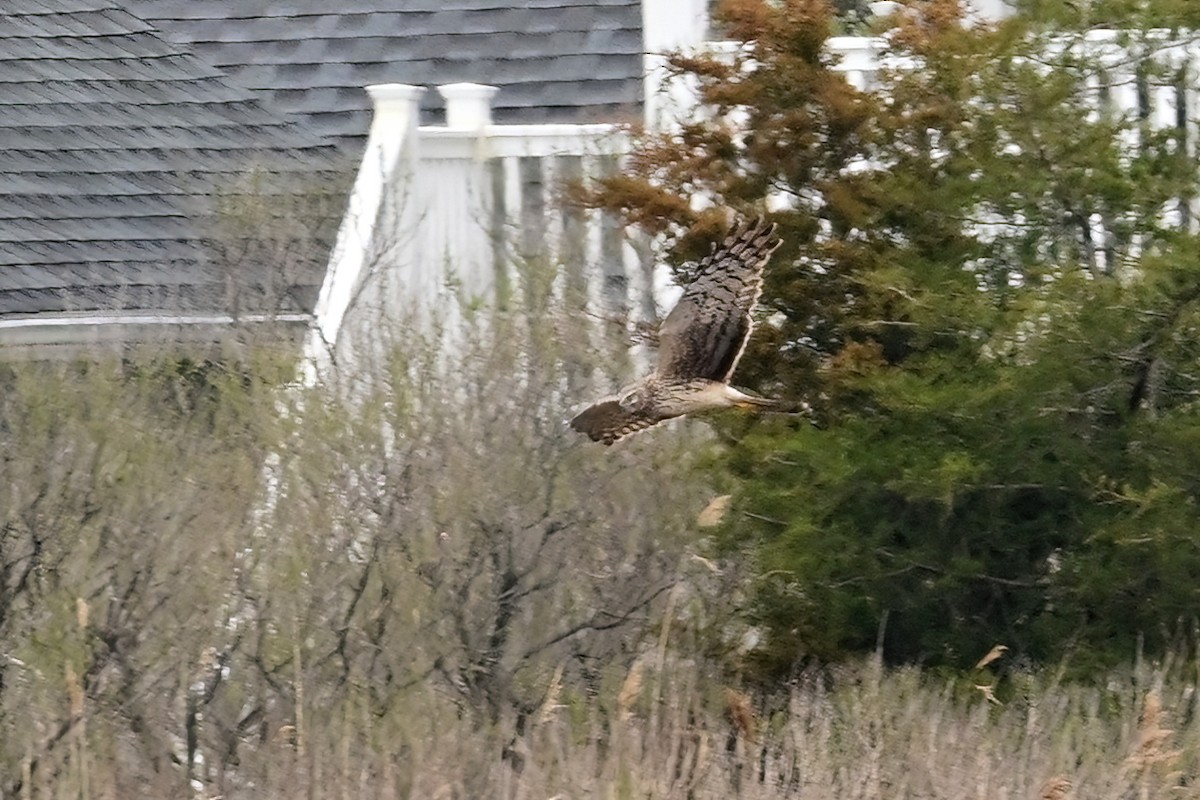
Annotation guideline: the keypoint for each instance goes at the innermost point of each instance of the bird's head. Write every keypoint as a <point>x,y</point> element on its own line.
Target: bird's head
<point>633,397</point>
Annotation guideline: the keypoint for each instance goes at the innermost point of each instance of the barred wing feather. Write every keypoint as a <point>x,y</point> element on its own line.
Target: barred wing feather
<point>606,421</point>
<point>705,334</point>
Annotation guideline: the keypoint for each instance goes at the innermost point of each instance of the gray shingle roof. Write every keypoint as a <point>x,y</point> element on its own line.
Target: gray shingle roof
<point>555,60</point>
<point>128,126</point>
<point>119,151</point>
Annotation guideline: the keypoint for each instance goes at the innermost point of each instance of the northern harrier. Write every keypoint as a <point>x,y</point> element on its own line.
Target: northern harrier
<point>700,343</point>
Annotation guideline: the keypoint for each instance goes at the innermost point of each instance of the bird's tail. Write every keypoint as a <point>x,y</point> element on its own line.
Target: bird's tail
<point>744,400</point>
<point>779,406</point>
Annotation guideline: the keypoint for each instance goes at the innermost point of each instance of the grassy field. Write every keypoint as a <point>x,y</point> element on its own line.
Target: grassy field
<point>392,625</point>
<point>853,733</point>
<point>858,734</point>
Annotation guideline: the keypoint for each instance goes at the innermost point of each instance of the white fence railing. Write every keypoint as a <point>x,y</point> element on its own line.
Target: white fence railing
<point>1155,77</point>
<point>442,215</point>
<point>1149,79</point>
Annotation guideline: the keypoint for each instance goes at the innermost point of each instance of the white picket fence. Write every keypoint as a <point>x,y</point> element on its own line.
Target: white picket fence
<point>442,214</point>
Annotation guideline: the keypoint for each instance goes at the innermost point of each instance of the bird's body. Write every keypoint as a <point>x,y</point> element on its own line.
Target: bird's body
<point>700,343</point>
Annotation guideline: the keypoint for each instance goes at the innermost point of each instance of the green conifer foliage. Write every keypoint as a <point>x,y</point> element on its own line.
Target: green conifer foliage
<point>989,294</point>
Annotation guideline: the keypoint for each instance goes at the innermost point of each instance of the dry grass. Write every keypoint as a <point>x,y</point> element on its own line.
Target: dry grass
<point>400,628</point>
<point>863,734</point>
<point>856,734</point>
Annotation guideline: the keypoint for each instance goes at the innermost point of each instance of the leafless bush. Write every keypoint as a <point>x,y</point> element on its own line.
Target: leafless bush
<point>205,576</point>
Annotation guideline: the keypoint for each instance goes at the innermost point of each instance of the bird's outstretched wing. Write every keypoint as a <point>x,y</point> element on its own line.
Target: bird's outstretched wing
<point>605,421</point>
<point>706,332</point>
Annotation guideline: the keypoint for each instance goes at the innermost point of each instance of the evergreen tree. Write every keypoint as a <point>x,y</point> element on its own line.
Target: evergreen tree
<point>989,293</point>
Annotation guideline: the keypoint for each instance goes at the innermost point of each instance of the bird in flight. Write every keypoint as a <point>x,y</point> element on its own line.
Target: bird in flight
<point>700,343</point>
